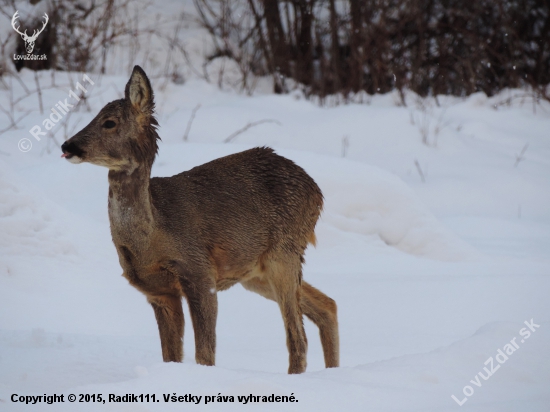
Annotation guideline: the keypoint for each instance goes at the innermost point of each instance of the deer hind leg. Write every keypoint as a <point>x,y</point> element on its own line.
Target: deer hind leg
<point>321,310</point>
<point>284,279</point>
<point>169,315</point>
<point>277,287</point>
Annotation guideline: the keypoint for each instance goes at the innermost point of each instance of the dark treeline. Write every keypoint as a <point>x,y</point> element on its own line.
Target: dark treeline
<point>432,47</point>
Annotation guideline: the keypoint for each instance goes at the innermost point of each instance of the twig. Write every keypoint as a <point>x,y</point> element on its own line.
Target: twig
<point>345,145</point>
<point>39,91</point>
<point>11,112</point>
<point>419,171</point>
<point>190,122</point>
<point>248,126</point>
<point>22,83</point>
<point>14,121</point>
<point>519,157</point>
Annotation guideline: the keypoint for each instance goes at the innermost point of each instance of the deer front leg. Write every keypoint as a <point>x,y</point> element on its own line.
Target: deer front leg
<point>169,315</point>
<point>203,307</point>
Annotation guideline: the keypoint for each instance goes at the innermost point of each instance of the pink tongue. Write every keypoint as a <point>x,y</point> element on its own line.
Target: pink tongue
<point>64,155</point>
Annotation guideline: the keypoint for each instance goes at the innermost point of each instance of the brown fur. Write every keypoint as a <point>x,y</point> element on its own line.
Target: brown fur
<point>245,218</point>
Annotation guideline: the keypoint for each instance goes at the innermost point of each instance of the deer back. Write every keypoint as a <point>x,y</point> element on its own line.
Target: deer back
<point>246,204</point>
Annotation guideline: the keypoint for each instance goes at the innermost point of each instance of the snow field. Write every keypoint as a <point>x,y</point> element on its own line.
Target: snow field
<point>431,278</point>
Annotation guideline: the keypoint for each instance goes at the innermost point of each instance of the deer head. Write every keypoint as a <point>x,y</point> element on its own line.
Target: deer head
<point>123,135</point>
<point>29,40</point>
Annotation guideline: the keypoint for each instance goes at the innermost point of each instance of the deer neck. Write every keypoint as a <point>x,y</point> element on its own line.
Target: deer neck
<point>131,212</point>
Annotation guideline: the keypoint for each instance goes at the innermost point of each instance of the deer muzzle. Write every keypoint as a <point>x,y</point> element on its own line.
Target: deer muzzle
<point>72,152</point>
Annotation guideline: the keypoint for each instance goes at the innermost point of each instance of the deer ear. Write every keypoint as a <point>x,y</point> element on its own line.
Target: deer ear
<point>139,92</point>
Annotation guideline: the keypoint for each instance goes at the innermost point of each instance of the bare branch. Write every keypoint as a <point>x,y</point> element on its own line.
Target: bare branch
<point>190,122</point>
<point>519,157</point>
<point>419,171</point>
<point>345,145</point>
<point>248,126</point>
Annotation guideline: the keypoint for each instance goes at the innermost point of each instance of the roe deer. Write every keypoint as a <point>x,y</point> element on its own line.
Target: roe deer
<point>245,218</point>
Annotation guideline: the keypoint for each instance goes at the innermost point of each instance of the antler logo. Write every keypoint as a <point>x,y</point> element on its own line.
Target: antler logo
<point>29,40</point>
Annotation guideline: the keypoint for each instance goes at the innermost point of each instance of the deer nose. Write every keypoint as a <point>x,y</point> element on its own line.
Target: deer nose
<point>69,149</point>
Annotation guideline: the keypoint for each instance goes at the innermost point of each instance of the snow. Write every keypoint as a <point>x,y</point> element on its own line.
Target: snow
<point>431,277</point>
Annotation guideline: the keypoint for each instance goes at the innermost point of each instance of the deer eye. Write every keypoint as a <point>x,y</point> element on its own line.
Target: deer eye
<point>109,124</point>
